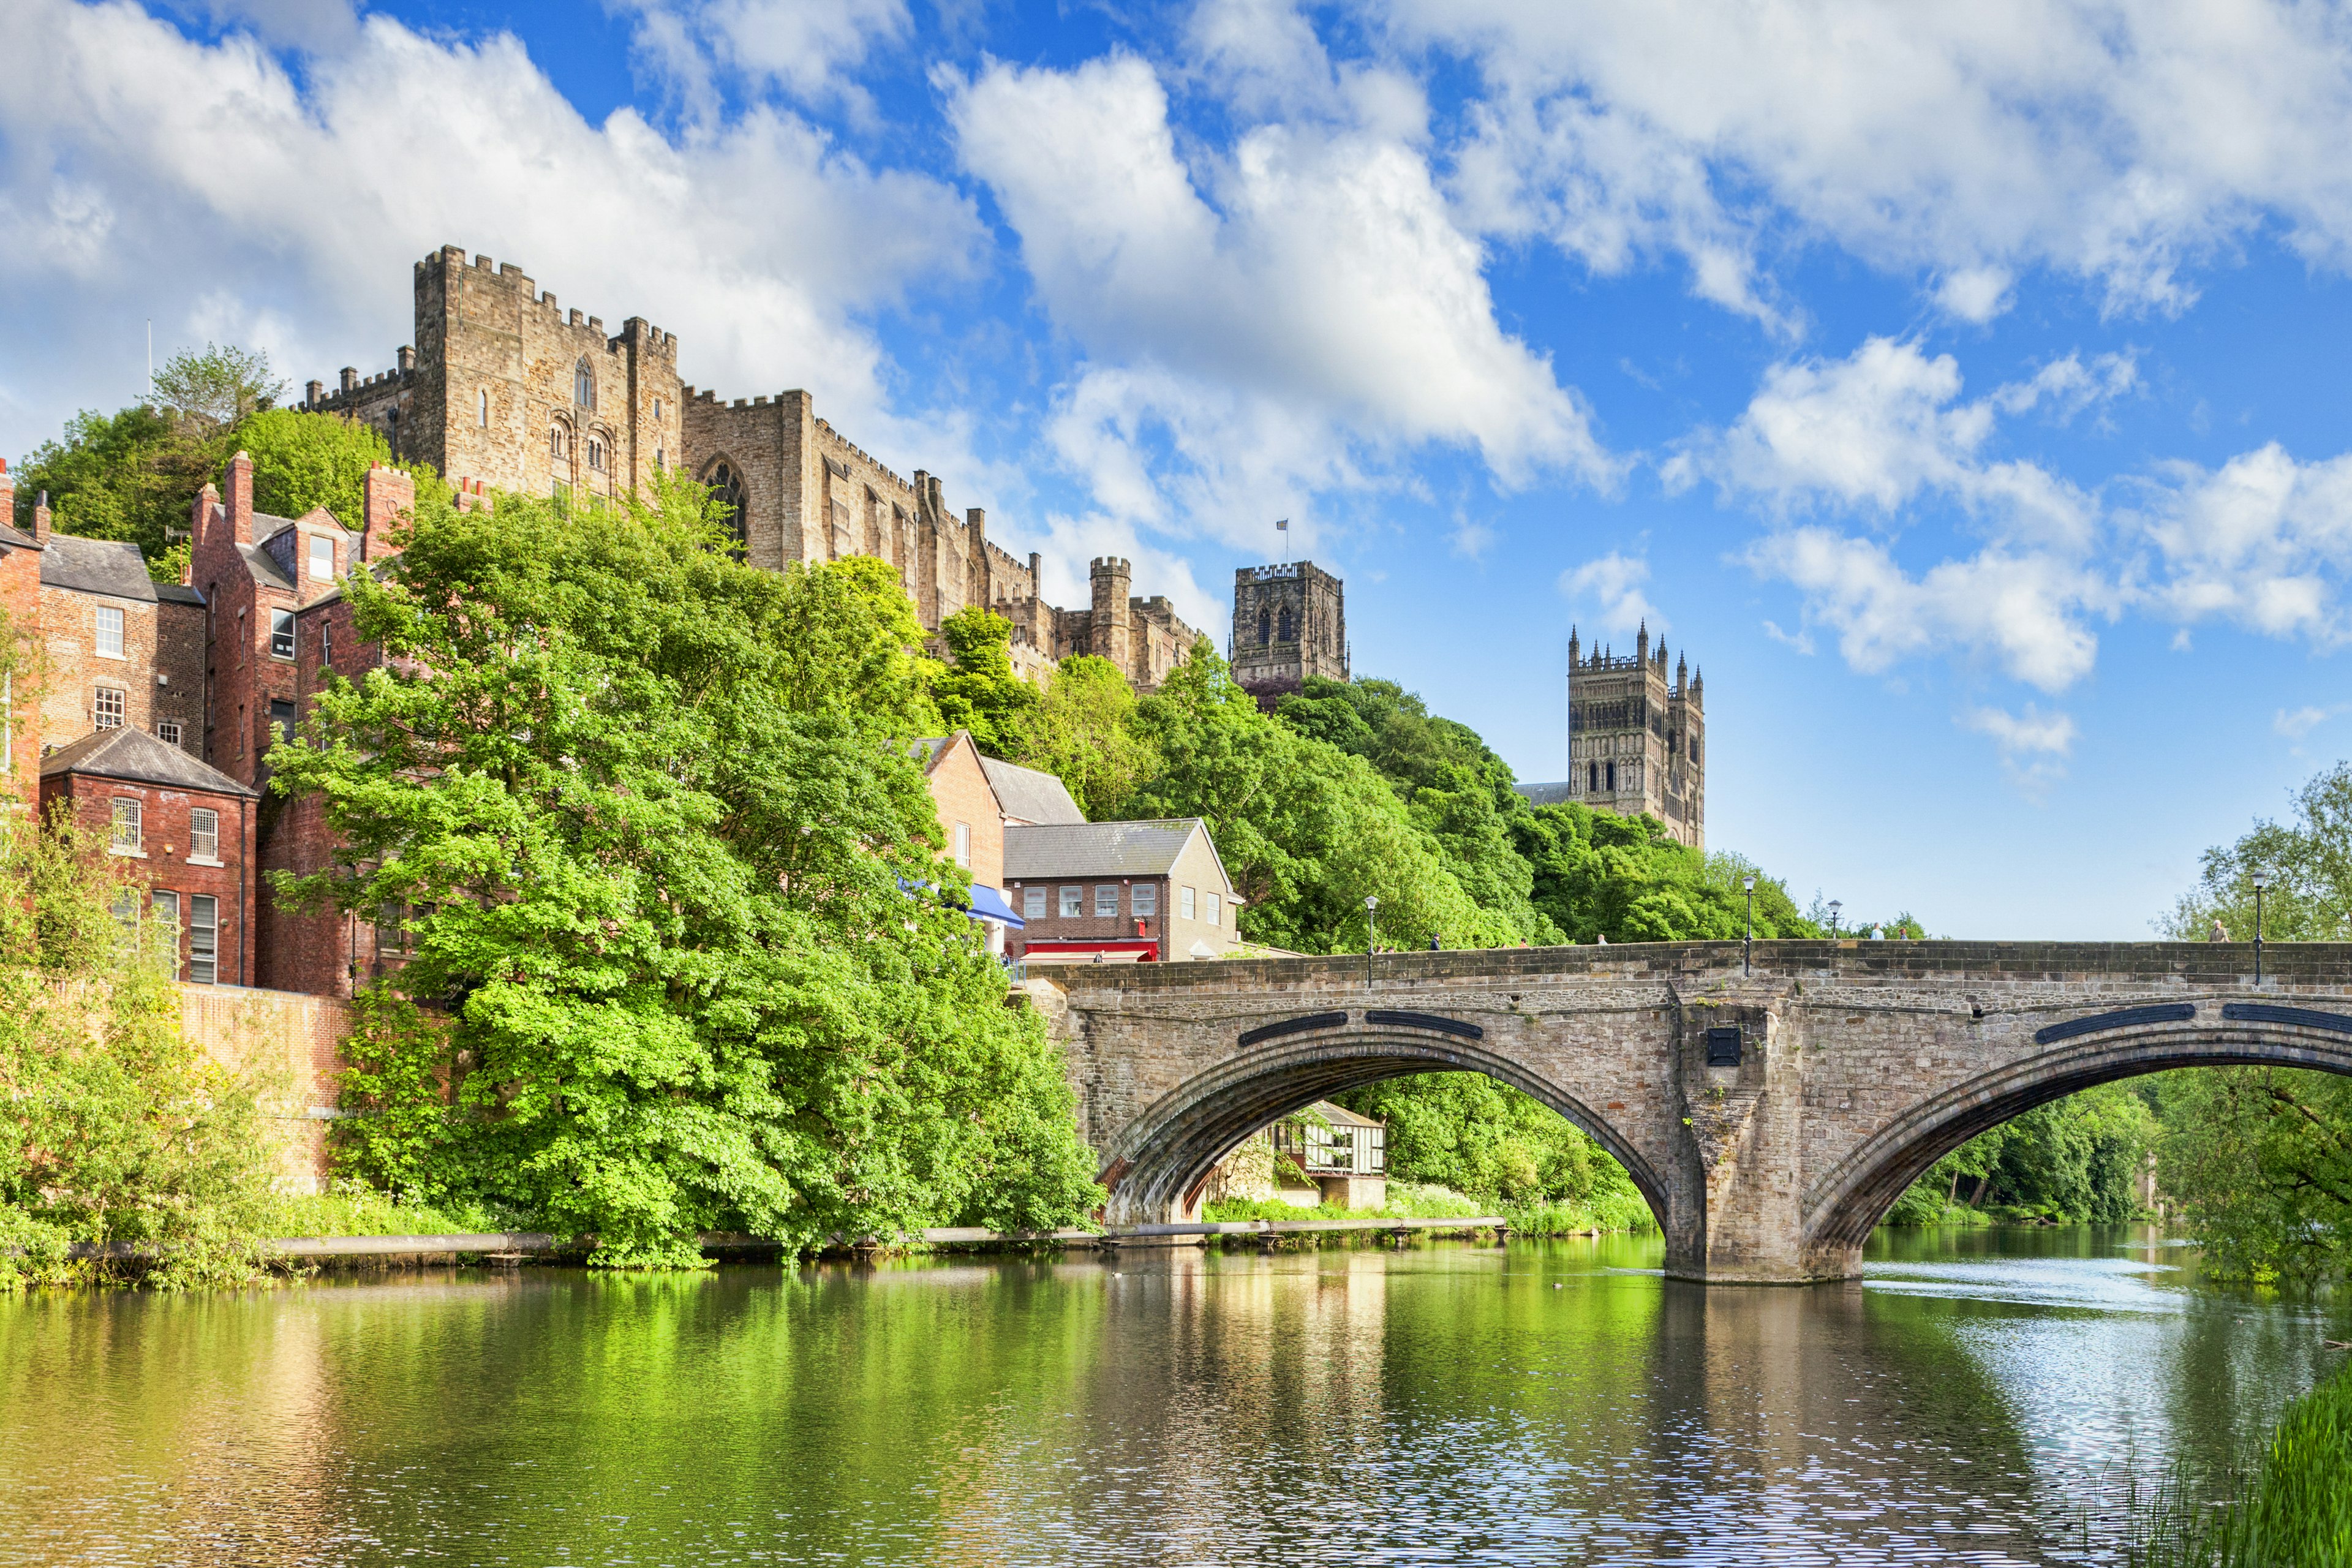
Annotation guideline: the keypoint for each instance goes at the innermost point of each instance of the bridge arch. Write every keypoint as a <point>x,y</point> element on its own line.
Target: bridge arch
<point>1161,1158</point>
<point>1849,1200</point>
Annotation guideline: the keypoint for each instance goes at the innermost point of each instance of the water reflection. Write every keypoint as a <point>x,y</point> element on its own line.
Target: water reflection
<point>1558,1402</point>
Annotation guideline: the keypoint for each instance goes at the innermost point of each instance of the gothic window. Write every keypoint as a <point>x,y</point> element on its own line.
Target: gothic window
<point>726,491</point>
<point>1264,627</point>
<point>1286,633</point>
<point>1612,778</point>
<point>1593,778</point>
<point>583,385</point>
<point>555,442</point>
<point>1693,748</point>
<point>596,454</point>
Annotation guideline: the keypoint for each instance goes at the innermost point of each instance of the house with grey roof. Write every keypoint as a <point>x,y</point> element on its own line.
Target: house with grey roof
<point>1148,892</point>
<point>1030,797</point>
<point>121,650</point>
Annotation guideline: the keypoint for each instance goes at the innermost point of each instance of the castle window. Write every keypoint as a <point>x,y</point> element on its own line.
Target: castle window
<point>106,709</point>
<point>1287,628</point>
<point>727,494</point>
<point>1693,748</point>
<point>657,408</point>
<point>595,454</point>
<point>482,411</point>
<point>1264,627</point>
<point>556,441</point>
<point>1612,777</point>
<point>659,460</point>
<point>109,631</point>
<point>1593,778</point>
<point>583,385</point>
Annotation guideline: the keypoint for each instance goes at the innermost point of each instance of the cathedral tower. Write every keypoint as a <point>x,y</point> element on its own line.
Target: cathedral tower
<point>1636,738</point>
<point>1289,622</point>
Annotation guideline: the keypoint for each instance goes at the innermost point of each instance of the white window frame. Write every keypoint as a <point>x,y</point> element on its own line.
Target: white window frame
<point>321,547</point>
<point>1032,904</point>
<point>1215,915</point>
<point>963,845</point>
<point>204,837</point>
<point>1184,902</point>
<point>1107,901</point>
<point>126,830</point>
<point>281,630</point>
<point>111,627</point>
<point>204,939</point>
<point>162,904</point>
<point>1143,899</point>
<point>99,716</point>
<point>1073,902</point>
<point>168,732</point>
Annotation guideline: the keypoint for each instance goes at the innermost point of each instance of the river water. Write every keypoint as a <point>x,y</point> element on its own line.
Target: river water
<point>1971,1400</point>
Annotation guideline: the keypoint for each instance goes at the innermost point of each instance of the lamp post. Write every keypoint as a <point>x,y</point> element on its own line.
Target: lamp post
<point>2261,880</point>
<point>1834,907</point>
<point>1747,945</point>
<point>1371,932</point>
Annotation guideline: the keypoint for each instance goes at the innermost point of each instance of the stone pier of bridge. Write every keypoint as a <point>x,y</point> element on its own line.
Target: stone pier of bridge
<point>1770,1113</point>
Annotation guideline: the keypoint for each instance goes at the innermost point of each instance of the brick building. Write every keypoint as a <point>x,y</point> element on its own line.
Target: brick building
<point>971,822</point>
<point>504,387</point>
<point>1636,738</point>
<point>121,650</point>
<point>1289,622</point>
<point>191,829</point>
<point>1143,892</point>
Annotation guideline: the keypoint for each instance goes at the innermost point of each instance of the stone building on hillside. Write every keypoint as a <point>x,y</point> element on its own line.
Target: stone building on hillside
<point>1636,738</point>
<point>503,387</point>
<point>1289,622</point>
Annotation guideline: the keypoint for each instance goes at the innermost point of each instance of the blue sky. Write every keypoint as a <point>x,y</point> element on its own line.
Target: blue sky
<point>1962,386</point>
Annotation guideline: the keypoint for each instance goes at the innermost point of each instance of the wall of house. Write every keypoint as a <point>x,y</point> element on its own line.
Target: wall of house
<point>292,1043</point>
<point>1086,926</point>
<point>158,638</point>
<point>1197,867</point>
<point>961,791</point>
<point>163,857</point>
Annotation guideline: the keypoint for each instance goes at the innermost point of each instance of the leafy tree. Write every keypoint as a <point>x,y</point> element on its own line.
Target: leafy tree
<point>305,460</point>
<point>2309,859</point>
<point>656,849</point>
<point>216,387</point>
<point>131,476</point>
<point>1484,1138</point>
<point>1086,735</point>
<point>980,692</point>
<point>2077,1160</point>
<point>1598,874</point>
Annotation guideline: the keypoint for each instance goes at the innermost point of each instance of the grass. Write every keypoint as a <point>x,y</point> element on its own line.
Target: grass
<point>1412,1200</point>
<point>349,1209</point>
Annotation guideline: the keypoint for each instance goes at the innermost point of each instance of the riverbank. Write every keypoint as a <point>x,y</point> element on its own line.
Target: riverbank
<point>1615,1214</point>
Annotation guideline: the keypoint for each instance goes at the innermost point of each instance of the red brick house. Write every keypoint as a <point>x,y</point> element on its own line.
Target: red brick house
<point>191,826</point>
<point>972,820</point>
<point>1148,892</point>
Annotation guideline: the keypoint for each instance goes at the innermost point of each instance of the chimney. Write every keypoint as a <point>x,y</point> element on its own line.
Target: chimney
<point>405,359</point>
<point>240,496</point>
<point>387,494</point>
<point>200,516</point>
<point>351,378</point>
<point>41,518</point>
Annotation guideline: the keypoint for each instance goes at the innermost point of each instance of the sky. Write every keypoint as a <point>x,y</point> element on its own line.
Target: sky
<point>1962,387</point>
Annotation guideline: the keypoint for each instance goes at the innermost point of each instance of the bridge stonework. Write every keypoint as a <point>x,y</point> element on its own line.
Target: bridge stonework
<point>1859,1064</point>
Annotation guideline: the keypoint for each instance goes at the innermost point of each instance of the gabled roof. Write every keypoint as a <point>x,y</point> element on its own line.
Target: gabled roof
<point>266,528</point>
<point>1101,848</point>
<point>109,566</point>
<point>139,758</point>
<point>1029,795</point>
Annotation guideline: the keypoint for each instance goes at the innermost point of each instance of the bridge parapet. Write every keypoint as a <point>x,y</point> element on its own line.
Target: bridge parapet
<point>1770,1118</point>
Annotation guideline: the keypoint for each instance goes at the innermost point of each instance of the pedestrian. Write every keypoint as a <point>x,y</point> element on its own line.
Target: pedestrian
<point>2219,933</point>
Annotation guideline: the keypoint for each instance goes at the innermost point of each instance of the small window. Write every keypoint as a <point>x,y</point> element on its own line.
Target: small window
<point>1107,902</point>
<point>1286,634</point>
<point>1073,902</point>
<point>1032,904</point>
<point>482,410</point>
<point>106,711</point>
<point>281,719</point>
<point>963,845</point>
<point>1264,627</point>
<point>165,909</point>
<point>124,839</point>
<point>1591,778</point>
<point>1216,909</point>
<point>322,559</point>
<point>204,939</point>
<point>1143,899</point>
<point>1693,748</point>
<point>583,386</point>
<point>658,408</point>
<point>125,909</point>
<point>168,732</point>
<point>109,631</point>
<point>661,462</point>
<point>1613,776</point>
<point>1184,902</point>
<point>203,835</point>
<point>326,643</point>
<point>281,634</point>
<point>392,927</point>
<point>596,454</point>
<point>556,441</point>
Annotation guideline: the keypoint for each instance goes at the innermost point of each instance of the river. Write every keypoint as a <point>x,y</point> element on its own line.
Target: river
<point>1553,1402</point>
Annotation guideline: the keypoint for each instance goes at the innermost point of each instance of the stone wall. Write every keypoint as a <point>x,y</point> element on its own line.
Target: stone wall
<point>293,1041</point>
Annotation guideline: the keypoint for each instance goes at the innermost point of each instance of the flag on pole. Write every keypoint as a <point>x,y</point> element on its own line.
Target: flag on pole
<point>1283,523</point>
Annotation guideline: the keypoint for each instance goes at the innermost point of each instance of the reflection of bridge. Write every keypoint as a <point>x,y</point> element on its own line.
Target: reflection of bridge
<point>1769,1119</point>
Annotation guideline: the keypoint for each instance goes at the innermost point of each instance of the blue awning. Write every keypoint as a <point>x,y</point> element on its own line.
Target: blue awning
<point>988,904</point>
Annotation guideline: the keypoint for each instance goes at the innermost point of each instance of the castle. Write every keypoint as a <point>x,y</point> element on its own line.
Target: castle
<point>1289,622</point>
<point>506,390</point>
<point>1636,738</point>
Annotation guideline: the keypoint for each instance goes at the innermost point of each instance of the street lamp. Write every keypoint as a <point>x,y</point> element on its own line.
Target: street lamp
<point>2261,880</point>
<point>1371,926</point>
<point>1748,946</point>
<point>1834,907</point>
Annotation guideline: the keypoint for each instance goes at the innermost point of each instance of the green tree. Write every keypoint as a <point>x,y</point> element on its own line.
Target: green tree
<point>1598,874</point>
<point>306,460</point>
<point>978,691</point>
<point>657,850</point>
<point>1086,735</point>
<point>2308,859</point>
<point>1487,1141</point>
<point>131,476</point>
<point>216,387</point>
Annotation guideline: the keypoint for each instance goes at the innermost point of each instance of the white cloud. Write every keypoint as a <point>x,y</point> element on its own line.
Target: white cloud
<point>1799,639</point>
<point>1323,318</point>
<point>808,49</point>
<point>1609,588</point>
<point>2265,542</point>
<point>204,186</point>
<point>2302,722</point>
<point>1970,143</point>
<point>2033,745</point>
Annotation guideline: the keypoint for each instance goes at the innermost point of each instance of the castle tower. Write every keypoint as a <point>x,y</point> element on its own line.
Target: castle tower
<point>1636,737</point>
<point>1289,622</point>
<point>1109,636</point>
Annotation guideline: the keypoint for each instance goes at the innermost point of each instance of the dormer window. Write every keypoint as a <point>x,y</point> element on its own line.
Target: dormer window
<point>322,559</point>
<point>583,385</point>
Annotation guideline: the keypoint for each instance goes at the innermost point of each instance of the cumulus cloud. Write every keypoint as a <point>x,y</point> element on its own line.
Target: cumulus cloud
<point>2265,542</point>
<point>2302,722</point>
<point>808,49</point>
<point>1608,590</point>
<point>2033,745</point>
<point>1322,317</point>
<point>1970,143</point>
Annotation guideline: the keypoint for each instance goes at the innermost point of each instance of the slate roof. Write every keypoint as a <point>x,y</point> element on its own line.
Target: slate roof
<point>109,567</point>
<point>139,757</point>
<point>1097,848</point>
<point>1546,794</point>
<point>264,567</point>
<point>9,535</point>
<point>1028,795</point>
<point>178,594</point>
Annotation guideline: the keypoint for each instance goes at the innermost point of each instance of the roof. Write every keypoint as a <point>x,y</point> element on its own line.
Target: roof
<point>266,528</point>
<point>1098,848</point>
<point>139,758</point>
<point>1340,1116</point>
<point>1029,795</point>
<point>178,594</point>
<point>9,535</point>
<point>110,567</point>
<point>264,567</point>
<point>1546,794</point>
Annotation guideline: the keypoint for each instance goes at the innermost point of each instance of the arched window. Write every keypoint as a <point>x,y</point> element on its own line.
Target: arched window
<point>1264,627</point>
<point>1287,628</point>
<point>596,454</point>
<point>583,385</point>
<point>1612,778</point>
<point>726,491</point>
<point>1593,778</point>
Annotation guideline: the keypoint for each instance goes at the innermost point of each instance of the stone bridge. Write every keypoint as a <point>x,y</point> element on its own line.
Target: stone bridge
<point>1770,1117</point>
